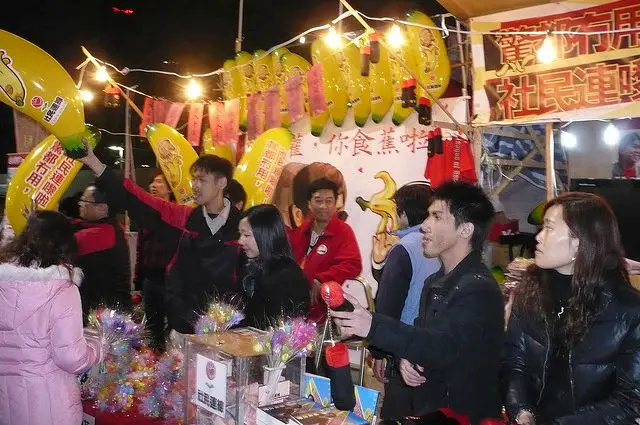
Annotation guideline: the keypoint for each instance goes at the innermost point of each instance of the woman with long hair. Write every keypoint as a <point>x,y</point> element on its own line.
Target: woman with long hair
<point>573,340</point>
<point>273,283</point>
<point>42,346</point>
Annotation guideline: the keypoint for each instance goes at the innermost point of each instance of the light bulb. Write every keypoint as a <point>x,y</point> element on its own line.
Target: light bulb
<point>547,52</point>
<point>568,140</point>
<point>86,96</point>
<point>303,39</point>
<point>611,135</point>
<point>102,75</point>
<point>395,37</point>
<point>194,90</point>
<point>333,39</point>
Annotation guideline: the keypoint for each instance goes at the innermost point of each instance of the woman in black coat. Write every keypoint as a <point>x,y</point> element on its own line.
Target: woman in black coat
<point>573,340</point>
<point>273,283</point>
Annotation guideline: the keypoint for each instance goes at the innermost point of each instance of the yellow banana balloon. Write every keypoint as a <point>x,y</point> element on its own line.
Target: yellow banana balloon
<point>335,88</point>
<point>359,89</point>
<point>223,151</point>
<point>382,203</point>
<point>42,178</point>
<point>400,47</point>
<point>261,165</point>
<point>434,68</point>
<point>233,85</point>
<point>381,87</point>
<point>279,78</point>
<point>175,156</point>
<point>293,64</point>
<point>244,62</point>
<point>34,83</point>
<point>263,67</point>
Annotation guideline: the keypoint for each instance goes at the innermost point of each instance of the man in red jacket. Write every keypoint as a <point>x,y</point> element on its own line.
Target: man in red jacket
<point>325,246</point>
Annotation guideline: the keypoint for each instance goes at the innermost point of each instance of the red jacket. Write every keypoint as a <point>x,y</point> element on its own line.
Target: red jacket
<point>335,257</point>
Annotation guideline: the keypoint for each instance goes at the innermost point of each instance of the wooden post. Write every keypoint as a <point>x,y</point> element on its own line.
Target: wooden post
<point>549,157</point>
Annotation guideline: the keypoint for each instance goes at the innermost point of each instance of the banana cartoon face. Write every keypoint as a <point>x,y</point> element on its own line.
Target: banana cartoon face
<point>10,82</point>
<point>172,161</point>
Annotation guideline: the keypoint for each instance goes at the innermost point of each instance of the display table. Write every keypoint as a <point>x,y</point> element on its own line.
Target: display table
<point>118,418</point>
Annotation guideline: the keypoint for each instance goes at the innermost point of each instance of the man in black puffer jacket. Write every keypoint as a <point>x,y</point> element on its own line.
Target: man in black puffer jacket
<point>451,357</point>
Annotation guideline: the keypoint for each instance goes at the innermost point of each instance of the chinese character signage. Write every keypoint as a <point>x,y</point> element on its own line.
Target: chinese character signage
<point>594,76</point>
<point>211,385</point>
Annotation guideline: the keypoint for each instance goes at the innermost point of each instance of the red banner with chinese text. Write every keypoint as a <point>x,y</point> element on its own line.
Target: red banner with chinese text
<point>595,76</point>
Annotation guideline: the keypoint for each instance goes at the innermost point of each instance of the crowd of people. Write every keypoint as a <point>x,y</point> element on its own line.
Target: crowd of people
<point>567,352</point>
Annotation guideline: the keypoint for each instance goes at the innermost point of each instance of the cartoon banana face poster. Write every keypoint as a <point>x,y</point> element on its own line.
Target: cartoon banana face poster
<point>368,164</point>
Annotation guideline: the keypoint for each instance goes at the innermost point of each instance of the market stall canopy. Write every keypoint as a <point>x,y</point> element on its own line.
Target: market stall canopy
<point>465,9</point>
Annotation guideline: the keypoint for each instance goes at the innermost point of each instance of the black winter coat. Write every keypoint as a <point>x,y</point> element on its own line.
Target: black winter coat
<point>458,338</point>
<point>281,289</point>
<point>604,366</point>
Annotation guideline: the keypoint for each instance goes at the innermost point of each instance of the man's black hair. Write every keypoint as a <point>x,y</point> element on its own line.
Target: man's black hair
<point>213,164</point>
<point>468,204</point>
<point>322,184</point>
<point>413,200</point>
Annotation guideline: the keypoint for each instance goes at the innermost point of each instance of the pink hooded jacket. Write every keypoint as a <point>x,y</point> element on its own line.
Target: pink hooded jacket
<point>42,346</point>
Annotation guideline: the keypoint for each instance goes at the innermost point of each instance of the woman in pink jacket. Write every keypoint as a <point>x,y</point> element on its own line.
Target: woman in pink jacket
<point>42,346</point>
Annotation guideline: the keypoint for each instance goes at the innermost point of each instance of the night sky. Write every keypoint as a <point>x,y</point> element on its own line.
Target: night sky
<point>194,36</point>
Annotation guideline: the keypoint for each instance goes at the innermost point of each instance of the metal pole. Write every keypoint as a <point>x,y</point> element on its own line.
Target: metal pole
<point>340,12</point>
<point>240,19</point>
<point>549,156</point>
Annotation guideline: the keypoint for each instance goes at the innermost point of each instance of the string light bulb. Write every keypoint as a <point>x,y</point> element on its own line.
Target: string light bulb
<point>102,75</point>
<point>547,52</point>
<point>193,90</point>
<point>86,96</point>
<point>395,37</point>
<point>611,135</point>
<point>568,140</point>
<point>333,39</point>
<point>303,39</point>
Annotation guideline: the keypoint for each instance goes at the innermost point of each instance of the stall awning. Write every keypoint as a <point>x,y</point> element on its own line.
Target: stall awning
<point>465,9</point>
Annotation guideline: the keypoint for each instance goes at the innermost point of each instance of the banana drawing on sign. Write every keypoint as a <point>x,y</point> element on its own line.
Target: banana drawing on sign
<point>382,204</point>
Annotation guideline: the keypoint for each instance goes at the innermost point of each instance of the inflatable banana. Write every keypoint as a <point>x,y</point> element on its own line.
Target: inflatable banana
<point>293,64</point>
<point>34,83</point>
<point>434,68</point>
<point>261,165</point>
<point>42,178</point>
<point>398,73</point>
<point>223,151</point>
<point>244,62</point>
<point>263,68</point>
<point>359,90</point>
<point>279,78</point>
<point>335,88</point>
<point>381,87</point>
<point>233,86</point>
<point>382,203</point>
<point>175,156</point>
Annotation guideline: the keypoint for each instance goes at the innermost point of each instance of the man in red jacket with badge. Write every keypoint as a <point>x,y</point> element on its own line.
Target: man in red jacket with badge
<point>325,246</point>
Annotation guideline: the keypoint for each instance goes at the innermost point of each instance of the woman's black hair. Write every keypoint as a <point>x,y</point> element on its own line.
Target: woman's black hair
<point>271,238</point>
<point>47,240</point>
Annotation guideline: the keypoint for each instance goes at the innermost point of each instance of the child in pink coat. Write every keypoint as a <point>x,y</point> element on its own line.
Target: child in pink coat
<point>42,346</point>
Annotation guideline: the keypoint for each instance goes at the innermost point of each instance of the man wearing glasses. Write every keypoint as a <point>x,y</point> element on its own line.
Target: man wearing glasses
<point>103,254</point>
<point>325,246</point>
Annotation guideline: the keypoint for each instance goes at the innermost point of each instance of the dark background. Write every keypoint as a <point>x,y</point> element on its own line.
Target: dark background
<point>194,36</point>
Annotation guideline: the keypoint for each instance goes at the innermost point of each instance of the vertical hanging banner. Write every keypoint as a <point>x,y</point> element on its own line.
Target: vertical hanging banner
<point>255,115</point>
<point>147,115</point>
<point>317,99</point>
<point>272,108</point>
<point>174,114</point>
<point>160,109</point>
<point>216,119</point>
<point>28,132</point>
<point>295,97</point>
<point>231,121</point>
<point>194,127</point>
<point>595,76</point>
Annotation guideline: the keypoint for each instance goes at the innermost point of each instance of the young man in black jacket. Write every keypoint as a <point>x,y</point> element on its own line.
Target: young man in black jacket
<point>204,264</point>
<point>451,356</point>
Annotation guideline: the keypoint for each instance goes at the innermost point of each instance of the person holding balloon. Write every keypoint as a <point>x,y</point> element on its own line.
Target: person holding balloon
<point>203,265</point>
